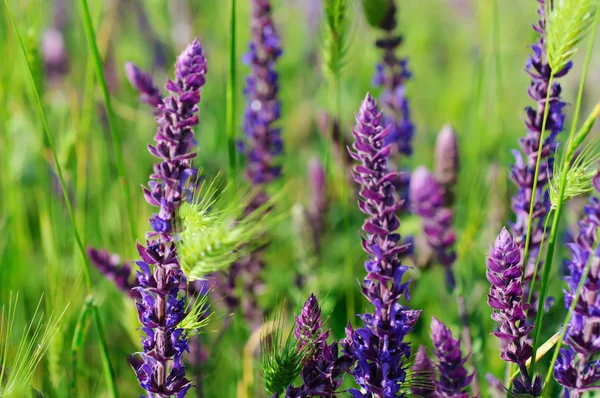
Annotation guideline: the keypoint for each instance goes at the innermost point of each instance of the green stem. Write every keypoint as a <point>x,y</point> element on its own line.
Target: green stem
<point>537,259</point>
<point>108,371</point>
<point>231,87</point>
<point>537,171</point>
<point>569,315</point>
<point>112,121</point>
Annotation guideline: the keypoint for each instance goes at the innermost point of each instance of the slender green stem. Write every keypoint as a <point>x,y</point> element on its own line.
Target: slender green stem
<point>569,315</point>
<point>85,265</point>
<point>537,171</point>
<point>231,87</point>
<point>537,259</point>
<point>112,120</point>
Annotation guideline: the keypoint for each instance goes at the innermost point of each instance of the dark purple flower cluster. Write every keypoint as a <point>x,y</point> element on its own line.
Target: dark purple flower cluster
<point>523,172</point>
<point>379,348</point>
<point>161,307</point>
<point>324,368</point>
<point>454,378</point>
<point>427,200</point>
<point>392,74</point>
<point>110,266</point>
<point>504,272</point>
<point>575,369</point>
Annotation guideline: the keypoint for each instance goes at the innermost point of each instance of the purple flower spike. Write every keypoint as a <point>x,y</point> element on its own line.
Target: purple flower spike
<point>161,306</point>
<point>504,271</point>
<point>427,199</point>
<point>379,348</point>
<point>523,172</point>
<point>453,375</point>
<point>308,325</point>
<point>324,368</point>
<point>391,74</point>
<point>318,200</point>
<point>575,369</point>
<point>142,82</point>
<point>423,375</point>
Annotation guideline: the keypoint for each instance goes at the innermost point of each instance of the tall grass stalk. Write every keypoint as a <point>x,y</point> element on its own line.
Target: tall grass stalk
<point>562,185</point>
<point>231,93</point>
<point>112,120</point>
<point>108,370</point>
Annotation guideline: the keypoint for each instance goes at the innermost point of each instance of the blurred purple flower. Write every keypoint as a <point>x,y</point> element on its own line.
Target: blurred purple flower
<point>427,199</point>
<point>162,304</point>
<point>142,82</point>
<point>453,377</point>
<point>111,267</point>
<point>318,200</point>
<point>379,348</point>
<point>391,74</point>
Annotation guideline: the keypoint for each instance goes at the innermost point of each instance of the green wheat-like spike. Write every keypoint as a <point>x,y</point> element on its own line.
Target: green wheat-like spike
<point>567,24</point>
<point>335,40</point>
<point>196,318</point>
<point>216,232</point>
<point>280,357</point>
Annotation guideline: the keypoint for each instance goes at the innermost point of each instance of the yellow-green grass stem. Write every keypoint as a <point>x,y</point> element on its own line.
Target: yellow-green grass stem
<point>231,91</point>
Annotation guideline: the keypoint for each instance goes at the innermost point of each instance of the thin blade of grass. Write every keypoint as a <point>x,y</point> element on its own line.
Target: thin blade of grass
<point>112,122</point>
<point>231,91</point>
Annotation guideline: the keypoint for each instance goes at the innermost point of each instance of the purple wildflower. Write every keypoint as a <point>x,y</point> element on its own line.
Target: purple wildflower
<point>162,304</point>
<point>309,324</point>
<point>523,172</point>
<point>378,347</point>
<point>575,369</point>
<point>447,161</point>
<point>391,74</point>
<point>423,374</point>
<point>324,368</point>
<point>54,51</point>
<point>142,82</point>
<point>504,271</point>
<point>111,267</point>
<point>427,199</point>
<point>451,364</point>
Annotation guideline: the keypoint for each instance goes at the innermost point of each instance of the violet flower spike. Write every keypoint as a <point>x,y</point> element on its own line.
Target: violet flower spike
<point>576,370</point>
<point>523,172</point>
<point>161,308</point>
<point>379,348</point>
<point>391,74</point>
<point>453,377</point>
<point>324,368</point>
<point>427,199</point>
<point>504,271</point>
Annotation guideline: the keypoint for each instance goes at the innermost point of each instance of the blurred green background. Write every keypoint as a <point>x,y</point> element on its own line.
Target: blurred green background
<point>468,60</point>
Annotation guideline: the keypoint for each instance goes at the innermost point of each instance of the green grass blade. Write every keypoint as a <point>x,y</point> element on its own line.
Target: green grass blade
<point>79,337</point>
<point>231,92</point>
<point>112,122</point>
<point>85,265</point>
